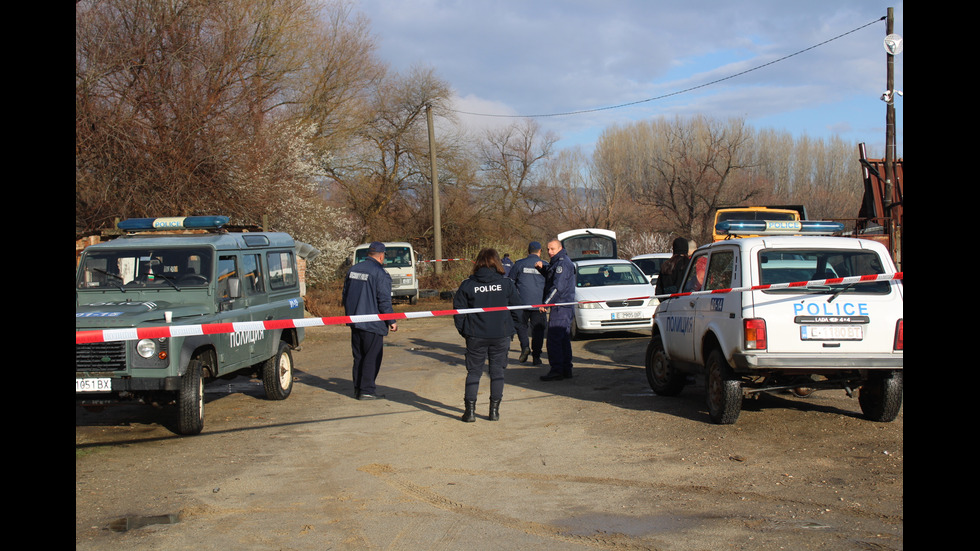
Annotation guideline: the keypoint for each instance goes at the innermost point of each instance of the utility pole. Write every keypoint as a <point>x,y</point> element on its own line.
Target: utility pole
<point>893,46</point>
<point>436,209</point>
<point>889,112</point>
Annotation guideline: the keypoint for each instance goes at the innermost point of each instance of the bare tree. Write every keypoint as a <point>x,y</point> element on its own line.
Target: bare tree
<point>696,166</point>
<point>570,197</point>
<point>181,105</point>
<point>387,157</point>
<point>508,158</point>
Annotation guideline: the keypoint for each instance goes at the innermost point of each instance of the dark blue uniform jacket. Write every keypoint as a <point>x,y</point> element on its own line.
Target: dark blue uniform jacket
<point>560,277</point>
<point>484,289</point>
<point>530,281</point>
<point>367,290</point>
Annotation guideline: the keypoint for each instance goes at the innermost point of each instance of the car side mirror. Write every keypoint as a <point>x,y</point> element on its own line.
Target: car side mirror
<point>234,287</point>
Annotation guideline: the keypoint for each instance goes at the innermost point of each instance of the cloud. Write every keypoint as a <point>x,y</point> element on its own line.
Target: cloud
<point>547,57</point>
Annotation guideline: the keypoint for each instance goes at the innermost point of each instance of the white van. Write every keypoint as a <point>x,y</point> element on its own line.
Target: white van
<point>400,264</point>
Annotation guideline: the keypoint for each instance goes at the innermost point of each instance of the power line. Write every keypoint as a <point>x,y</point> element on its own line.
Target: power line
<point>684,91</point>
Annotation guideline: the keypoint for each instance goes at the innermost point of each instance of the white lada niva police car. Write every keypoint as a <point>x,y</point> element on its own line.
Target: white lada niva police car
<point>748,326</point>
<point>153,279</point>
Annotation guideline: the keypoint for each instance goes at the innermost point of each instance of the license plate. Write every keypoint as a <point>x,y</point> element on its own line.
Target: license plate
<point>93,385</point>
<point>627,315</point>
<point>831,332</point>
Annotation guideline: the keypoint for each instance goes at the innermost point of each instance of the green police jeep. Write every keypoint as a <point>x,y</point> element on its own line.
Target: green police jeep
<point>163,278</point>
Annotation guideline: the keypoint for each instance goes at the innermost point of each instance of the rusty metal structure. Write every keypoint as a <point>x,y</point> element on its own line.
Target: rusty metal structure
<point>881,215</point>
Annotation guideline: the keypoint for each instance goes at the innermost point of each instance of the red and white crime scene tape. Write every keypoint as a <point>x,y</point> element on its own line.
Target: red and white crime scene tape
<point>161,331</point>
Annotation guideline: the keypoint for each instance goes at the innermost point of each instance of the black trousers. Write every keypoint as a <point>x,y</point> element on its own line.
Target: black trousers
<point>560,340</point>
<point>531,330</point>
<point>368,349</point>
<point>480,352</point>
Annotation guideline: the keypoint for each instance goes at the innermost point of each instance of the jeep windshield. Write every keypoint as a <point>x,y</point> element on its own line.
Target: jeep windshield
<point>792,266</point>
<point>141,268</point>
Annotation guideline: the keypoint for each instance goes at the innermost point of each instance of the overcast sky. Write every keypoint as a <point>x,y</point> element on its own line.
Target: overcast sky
<point>543,58</point>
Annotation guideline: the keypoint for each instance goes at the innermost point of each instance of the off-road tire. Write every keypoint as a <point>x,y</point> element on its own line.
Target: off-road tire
<point>664,379</point>
<point>277,373</point>
<point>881,395</point>
<point>190,401</point>
<point>723,388</point>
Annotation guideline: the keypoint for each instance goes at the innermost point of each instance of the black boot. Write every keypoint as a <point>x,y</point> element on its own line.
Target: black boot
<point>494,410</point>
<point>469,415</point>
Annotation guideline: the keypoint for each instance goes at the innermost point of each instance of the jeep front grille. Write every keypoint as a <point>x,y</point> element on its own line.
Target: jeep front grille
<point>102,356</point>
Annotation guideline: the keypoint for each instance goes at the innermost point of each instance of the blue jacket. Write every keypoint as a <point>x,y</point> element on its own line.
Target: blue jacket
<point>530,280</point>
<point>367,290</point>
<point>508,265</point>
<point>486,288</point>
<point>560,279</point>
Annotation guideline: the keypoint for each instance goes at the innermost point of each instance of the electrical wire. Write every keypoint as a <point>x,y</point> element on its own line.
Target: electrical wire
<point>684,91</point>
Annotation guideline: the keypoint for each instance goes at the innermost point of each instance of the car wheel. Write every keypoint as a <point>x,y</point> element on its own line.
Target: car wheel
<point>724,390</point>
<point>190,402</point>
<point>664,379</point>
<point>881,395</point>
<point>277,374</point>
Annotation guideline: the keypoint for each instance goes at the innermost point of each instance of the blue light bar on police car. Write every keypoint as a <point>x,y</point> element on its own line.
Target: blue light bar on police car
<point>778,227</point>
<point>174,223</point>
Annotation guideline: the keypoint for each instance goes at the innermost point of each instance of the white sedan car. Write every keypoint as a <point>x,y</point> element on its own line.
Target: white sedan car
<point>650,264</point>
<point>612,297</point>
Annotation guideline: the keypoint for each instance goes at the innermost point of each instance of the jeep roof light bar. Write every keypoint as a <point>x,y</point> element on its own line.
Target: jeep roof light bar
<point>778,227</point>
<point>174,223</point>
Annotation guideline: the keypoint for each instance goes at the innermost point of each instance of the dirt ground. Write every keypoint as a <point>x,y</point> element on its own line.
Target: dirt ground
<point>595,462</point>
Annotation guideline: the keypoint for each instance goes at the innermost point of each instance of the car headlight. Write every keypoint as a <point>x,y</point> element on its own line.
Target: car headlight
<point>146,348</point>
<point>590,305</point>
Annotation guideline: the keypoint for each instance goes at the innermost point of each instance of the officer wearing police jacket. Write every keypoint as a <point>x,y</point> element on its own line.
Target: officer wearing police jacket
<point>367,290</point>
<point>487,334</point>
<point>559,288</point>
<point>531,322</point>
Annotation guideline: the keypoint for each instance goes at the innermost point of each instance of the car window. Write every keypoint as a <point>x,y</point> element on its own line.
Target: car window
<point>589,246</point>
<point>792,266</point>
<point>227,269</point>
<point>695,274</point>
<point>252,278</point>
<point>650,266</point>
<point>282,273</point>
<point>719,272</point>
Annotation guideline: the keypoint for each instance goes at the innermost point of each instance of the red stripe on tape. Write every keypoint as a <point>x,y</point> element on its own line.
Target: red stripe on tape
<point>213,328</point>
<point>153,332</point>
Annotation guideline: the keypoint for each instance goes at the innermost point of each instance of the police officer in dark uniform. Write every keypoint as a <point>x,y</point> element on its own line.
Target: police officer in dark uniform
<point>559,288</point>
<point>530,284</point>
<point>487,334</point>
<point>367,290</point>
<point>508,265</point>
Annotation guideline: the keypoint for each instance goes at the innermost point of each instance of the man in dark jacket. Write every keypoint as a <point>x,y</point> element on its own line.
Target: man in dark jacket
<point>530,284</point>
<point>559,288</point>
<point>367,290</point>
<point>487,334</point>
<point>508,264</point>
<point>672,270</point>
